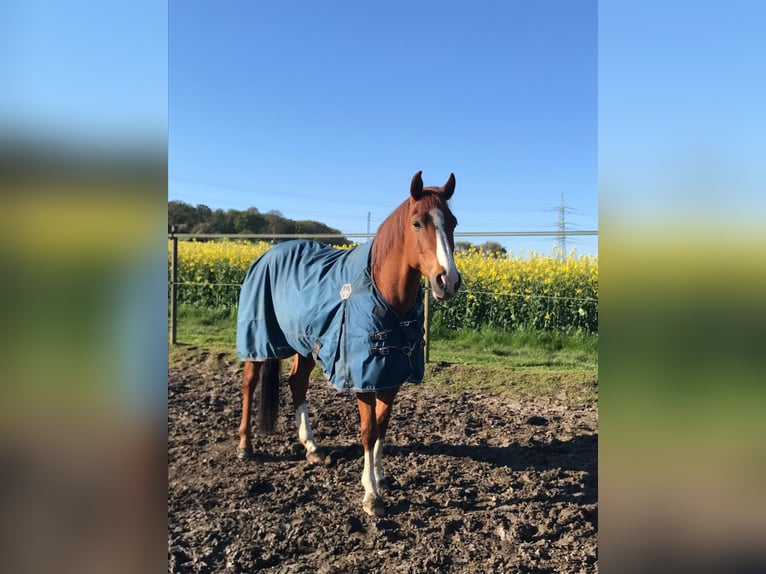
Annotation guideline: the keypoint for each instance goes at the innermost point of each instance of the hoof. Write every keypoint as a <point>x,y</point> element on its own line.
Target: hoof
<point>316,457</point>
<point>373,505</point>
<point>244,453</point>
<point>384,485</point>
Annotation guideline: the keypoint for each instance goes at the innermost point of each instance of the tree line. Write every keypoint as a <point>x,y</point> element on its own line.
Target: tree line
<point>201,219</point>
<point>488,248</point>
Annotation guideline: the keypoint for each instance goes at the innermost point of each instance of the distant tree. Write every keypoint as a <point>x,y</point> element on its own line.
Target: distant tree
<point>201,219</point>
<point>204,213</point>
<point>275,223</point>
<point>222,221</point>
<point>309,227</point>
<point>493,248</point>
<point>249,221</point>
<point>184,216</point>
<point>488,248</point>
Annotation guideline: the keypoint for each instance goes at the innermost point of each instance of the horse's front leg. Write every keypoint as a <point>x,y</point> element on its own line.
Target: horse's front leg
<point>372,503</point>
<point>384,405</point>
<point>250,375</point>
<point>299,383</point>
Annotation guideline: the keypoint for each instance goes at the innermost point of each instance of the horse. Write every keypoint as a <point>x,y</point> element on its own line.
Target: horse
<point>358,312</point>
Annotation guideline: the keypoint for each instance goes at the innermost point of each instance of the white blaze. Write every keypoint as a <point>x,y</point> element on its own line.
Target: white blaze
<point>443,252</point>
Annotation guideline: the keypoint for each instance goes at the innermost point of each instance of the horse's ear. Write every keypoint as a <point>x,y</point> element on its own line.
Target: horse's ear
<point>449,188</point>
<point>416,187</point>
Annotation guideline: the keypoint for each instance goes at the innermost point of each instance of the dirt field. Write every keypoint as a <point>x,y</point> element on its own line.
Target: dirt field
<point>480,483</point>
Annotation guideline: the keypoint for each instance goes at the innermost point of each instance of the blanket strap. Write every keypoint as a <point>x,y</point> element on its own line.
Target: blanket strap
<point>406,350</point>
<point>378,339</point>
<point>379,336</point>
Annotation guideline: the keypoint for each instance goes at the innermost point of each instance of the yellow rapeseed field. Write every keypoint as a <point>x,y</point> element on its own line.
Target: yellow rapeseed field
<point>519,291</point>
<point>531,291</point>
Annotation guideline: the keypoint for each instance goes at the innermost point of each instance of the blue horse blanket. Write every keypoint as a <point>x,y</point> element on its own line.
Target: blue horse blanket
<point>308,298</point>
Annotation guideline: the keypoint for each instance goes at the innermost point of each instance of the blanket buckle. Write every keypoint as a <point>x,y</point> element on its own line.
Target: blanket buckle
<point>378,336</point>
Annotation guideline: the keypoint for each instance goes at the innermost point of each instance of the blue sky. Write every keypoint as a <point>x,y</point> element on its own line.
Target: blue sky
<point>682,115</point>
<point>84,70</point>
<point>325,110</point>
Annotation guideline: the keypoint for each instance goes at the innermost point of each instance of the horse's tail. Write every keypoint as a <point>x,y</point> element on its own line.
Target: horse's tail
<point>269,399</point>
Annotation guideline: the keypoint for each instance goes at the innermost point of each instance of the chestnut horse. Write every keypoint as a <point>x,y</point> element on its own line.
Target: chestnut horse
<point>415,240</point>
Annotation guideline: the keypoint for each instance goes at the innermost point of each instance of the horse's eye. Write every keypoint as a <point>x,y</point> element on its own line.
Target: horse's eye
<point>417,224</point>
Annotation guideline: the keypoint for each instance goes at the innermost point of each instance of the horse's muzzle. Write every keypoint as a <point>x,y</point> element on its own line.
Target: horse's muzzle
<point>443,288</point>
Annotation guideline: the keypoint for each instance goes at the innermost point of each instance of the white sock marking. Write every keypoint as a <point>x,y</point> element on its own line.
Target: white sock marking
<point>378,461</point>
<point>305,435</point>
<point>368,476</point>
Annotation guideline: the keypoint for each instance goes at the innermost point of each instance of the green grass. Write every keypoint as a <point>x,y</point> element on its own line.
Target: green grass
<point>522,363</point>
<point>521,348</point>
<point>206,327</point>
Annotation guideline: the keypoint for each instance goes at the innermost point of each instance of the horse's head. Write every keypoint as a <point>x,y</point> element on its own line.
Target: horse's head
<point>429,235</point>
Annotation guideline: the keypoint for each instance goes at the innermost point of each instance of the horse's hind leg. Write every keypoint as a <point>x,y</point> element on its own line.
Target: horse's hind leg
<point>250,375</point>
<point>383,405</point>
<point>299,383</point>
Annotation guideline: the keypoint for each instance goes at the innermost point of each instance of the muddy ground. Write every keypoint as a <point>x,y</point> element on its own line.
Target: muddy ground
<point>480,483</point>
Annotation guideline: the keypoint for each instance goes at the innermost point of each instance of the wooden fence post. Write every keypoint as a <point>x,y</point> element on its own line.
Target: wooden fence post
<point>173,286</point>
